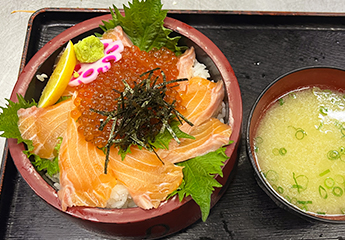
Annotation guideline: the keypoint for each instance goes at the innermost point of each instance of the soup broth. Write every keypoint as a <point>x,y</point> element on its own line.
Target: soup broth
<point>300,148</point>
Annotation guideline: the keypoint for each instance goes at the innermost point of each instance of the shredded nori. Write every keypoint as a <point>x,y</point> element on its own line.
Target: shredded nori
<point>141,114</point>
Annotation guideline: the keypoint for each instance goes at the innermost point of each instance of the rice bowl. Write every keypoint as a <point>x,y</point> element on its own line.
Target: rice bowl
<point>99,219</point>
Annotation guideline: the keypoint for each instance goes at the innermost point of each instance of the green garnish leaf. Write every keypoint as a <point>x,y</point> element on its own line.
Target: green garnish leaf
<point>9,120</point>
<point>9,125</point>
<point>51,166</point>
<point>63,98</point>
<point>198,178</point>
<point>143,24</point>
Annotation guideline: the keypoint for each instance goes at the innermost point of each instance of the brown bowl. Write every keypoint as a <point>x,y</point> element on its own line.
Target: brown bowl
<point>171,216</point>
<point>323,77</point>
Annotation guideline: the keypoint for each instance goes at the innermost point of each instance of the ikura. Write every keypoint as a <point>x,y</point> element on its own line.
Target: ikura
<point>100,93</point>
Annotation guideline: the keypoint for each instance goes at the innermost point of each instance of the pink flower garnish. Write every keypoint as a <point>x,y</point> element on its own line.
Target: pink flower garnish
<point>87,72</point>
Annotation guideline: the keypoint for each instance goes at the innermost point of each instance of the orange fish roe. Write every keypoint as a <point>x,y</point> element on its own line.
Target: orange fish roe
<point>100,95</point>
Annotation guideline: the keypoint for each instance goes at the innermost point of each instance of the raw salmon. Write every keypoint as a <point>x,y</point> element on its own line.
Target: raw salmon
<point>44,126</point>
<point>185,63</point>
<point>82,178</point>
<point>117,33</point>
<point>83,182</point>
<point>209,136</point>
<point>148,180</point>
<point>201,100</point>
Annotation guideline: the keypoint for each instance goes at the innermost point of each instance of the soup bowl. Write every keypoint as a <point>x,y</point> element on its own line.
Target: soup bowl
<point>322,77</point>
<point>172,215</point>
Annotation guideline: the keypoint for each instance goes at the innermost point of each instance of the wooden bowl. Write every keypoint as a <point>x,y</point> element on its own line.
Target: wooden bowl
<point>323,77</point>
<point>172,215</point>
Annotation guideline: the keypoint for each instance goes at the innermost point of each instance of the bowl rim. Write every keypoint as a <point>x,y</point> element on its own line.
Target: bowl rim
<point>279,200</point>
<point>45,191</point>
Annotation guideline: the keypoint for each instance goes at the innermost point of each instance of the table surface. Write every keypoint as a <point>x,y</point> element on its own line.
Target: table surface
<point>14,25</point>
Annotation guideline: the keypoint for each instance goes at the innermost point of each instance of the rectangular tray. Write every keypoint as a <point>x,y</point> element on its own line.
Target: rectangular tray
<point>260,46</point>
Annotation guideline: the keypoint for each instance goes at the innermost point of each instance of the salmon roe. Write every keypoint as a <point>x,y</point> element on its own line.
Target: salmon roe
<point>100,94</point>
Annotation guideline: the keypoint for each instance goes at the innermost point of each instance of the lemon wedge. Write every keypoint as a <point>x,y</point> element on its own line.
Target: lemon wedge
<point>60,78</point>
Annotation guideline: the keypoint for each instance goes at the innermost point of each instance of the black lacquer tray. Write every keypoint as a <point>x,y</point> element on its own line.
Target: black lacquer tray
<point>260,46</point>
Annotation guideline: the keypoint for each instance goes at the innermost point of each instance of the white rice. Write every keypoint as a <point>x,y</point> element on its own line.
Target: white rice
<point>120,198</point>
<point>199,70</point>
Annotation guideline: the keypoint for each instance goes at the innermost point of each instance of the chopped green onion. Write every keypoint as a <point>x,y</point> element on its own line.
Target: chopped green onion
<point>280,190</point>
<point>337,191</point>
<point>294,201</point>
<point>339,179</point>
<point>333,155</point>
<point>259,140</point>
<point>292,95</point>
<point>342,131</point>
<point>329,182</point>
<point>338,124</point>
<point>275,151</point>
<point>342,150</point>
<point>323,110</point>
<point>342,210</point>
<point>304,179</point>
<point>320,126</point>
<point>321,213</point>
<point>300,134</point>
<point>282,151</point>
<point>281,101</point>
<point>304,202</point>
<point>324,173</point>
<point>272,176</point>
<point>304,207</point>
<point>323,192</point>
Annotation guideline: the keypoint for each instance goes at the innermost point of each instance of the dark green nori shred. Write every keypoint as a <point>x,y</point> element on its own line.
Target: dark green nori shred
<point>136,107</point>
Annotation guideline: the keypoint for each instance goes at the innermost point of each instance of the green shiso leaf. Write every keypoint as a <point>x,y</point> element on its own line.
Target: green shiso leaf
<point>9,125</point>
<point>198,179</point>
<point>9,120</point>
<point>51,166</point>
<point>143,24</point>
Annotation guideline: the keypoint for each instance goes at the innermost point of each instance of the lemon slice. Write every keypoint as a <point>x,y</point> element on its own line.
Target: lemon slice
<point>60,78</point>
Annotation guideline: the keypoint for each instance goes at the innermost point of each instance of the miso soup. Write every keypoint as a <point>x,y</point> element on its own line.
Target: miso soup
<point>300,149</point>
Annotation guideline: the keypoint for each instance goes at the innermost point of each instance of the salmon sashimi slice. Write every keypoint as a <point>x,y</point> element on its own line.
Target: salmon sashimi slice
<point>82,178</point>
<point>185,64</point>
<point>201,100</point>
<point>117,33</point>
<point>147,179</point>
<point>44,126</point>
<point>209,136</point>
<point>83,182</point>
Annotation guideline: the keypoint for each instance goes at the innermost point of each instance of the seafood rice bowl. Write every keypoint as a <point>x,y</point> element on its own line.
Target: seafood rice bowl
<point>117,147</point>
